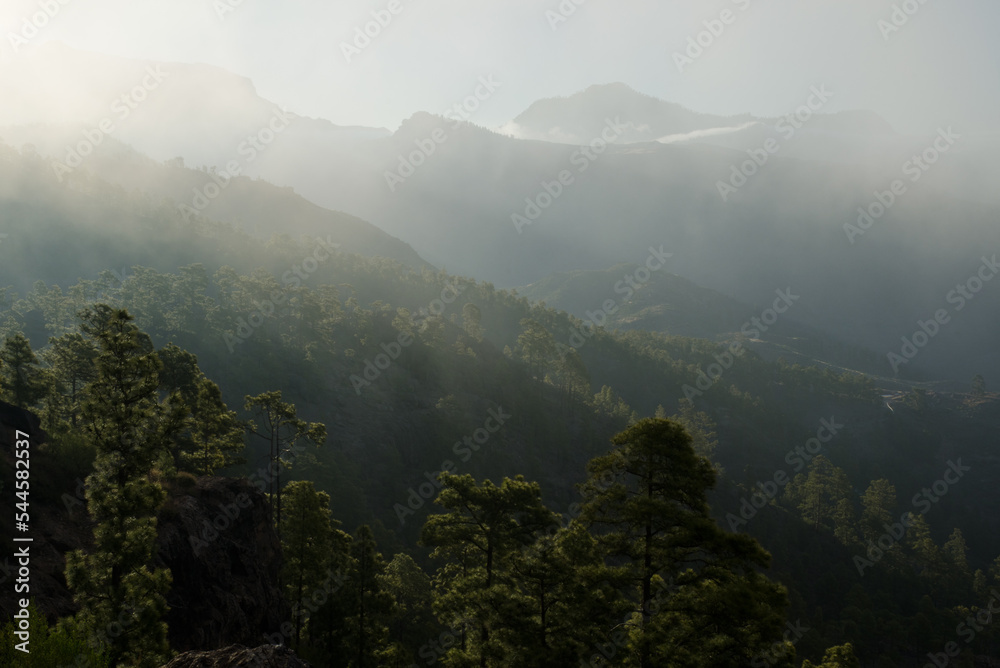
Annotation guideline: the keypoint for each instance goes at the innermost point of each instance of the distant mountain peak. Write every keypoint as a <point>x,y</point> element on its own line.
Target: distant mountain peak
<point>579,118</point>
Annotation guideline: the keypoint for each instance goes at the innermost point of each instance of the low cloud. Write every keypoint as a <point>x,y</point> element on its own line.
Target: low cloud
<point>709,132</point>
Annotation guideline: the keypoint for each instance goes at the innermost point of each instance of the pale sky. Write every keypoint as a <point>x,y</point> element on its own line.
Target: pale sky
<point>941,67</point>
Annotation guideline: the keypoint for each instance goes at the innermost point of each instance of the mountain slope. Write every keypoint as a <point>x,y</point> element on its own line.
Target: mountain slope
<point>672,305</point>
<point>109,211</point>
<point>396,413</point>
<point>199,112</point>
<point>479,204</point>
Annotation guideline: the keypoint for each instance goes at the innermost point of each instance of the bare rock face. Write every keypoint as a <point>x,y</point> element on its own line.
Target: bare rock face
<point>52,532</point>
<point>224,556</point>
<point>213,534</point>
<point>13,419</point>
<point>238,656</point>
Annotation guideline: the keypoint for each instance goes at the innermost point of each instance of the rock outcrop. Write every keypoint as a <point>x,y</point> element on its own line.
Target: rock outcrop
<point>214,535</point>
<point>13,419</point>
<point>217,540</point>
<point>237,656</point>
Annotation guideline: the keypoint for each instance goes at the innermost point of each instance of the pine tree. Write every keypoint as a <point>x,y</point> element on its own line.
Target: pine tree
<point>71,360</point>
<point>180,371</point>
<point>845,522</point>
<point>537,346</point>
<point>372,605</point>
<point>130,429</point>
<point>561,597</point>
<point>820,493</point>
<point>412,620</point>
<point>958,575</point>
<point>837,657</point>
<point>930,561</point>
<point>956,550</point>
<point>213,435</point>
<point>216,433</point>
<point>646,500</point>
<point>878,505</point>
<point>574,374</point>
<point>472,321</point>
<point>994,572</point>
<point>483,525</point>
<point>311,540</point>
<point>609,402</point>
<point>980,583</point>
<point>22,381</point>
<point>282,429</point>
<point>700,426</point>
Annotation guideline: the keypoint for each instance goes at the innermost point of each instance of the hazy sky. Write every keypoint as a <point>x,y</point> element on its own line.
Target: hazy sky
<point>941,67</point>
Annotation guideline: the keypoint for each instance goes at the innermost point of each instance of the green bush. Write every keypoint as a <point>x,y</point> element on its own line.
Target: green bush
<point>49,647</point>
<point>186,481</point>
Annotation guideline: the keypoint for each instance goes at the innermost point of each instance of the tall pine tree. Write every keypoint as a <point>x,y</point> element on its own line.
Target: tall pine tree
<point>484,524</point>
<point>282,429</point>
<point>22,382</point>
<point>309,544</point>
<point>646,500</point>
<point>115,584</point>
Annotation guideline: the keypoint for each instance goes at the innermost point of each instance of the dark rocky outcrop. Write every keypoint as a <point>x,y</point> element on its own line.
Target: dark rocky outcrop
<point>13,419</point>
<point>237,656</point>
<point>213,534</point>
<point>224,556</point>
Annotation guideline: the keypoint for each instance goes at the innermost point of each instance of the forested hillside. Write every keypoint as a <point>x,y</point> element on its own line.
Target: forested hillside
<point>454,472</point>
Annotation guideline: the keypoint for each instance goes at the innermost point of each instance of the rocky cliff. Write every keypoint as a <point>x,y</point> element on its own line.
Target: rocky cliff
<point>217,541</point>
<point>237,656</point>
<point>213,534</point>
